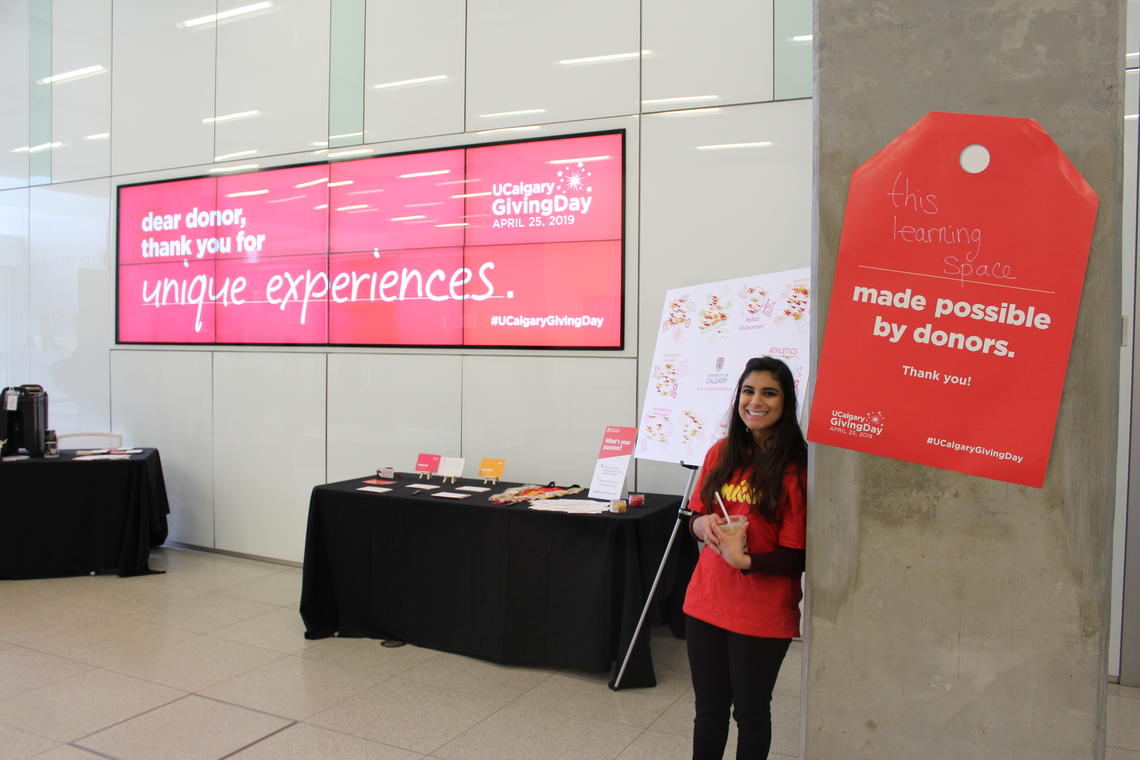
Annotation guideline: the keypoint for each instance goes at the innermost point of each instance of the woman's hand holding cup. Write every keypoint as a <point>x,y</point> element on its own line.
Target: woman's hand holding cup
<point>707,534</point>
<point>731,539</point>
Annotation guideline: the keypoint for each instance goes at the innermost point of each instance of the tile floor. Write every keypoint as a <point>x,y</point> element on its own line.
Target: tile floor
<point>209,661</point>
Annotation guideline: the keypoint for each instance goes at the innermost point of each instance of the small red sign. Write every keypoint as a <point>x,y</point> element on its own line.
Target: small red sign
<point>617,442</point>
<point>956,293</point>
<point>427,463</point>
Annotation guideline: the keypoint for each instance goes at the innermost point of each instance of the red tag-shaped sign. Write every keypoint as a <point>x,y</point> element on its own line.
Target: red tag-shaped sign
<point>956,292</point>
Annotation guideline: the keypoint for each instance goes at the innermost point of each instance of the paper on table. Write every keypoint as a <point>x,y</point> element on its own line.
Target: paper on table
<point>93,457</point>
<point>374,489</point>
<point>450,495</point>
<point>450,467</point>
<point>476,489</point>
<point>573,506</point>
<point>422,486</point>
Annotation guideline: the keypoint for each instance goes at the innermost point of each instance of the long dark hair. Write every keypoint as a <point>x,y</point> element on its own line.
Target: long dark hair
<point>764,467</point>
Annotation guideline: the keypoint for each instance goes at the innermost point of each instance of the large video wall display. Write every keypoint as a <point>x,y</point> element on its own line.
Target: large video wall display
<point>507,245</point>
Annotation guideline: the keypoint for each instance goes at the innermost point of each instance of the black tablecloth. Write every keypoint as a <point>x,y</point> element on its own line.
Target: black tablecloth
<point>501,582</point>
<point>67,517</point>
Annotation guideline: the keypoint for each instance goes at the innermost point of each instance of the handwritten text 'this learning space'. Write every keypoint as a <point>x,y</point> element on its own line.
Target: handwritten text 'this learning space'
<point>961,240</point>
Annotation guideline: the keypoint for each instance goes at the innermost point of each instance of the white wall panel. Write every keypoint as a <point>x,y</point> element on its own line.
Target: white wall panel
<point>275,63</point>
<point>71,302</point>
<point>406,42</point>
<point>14,272</point>
<point>717,213</point>
<point>385,409</point>
<point>269,443</point>
<point>1124,401</point>
<point>707,55</point>
<point>632,272</point>
<point>1132,35</point>
<point>162,85</point>
<point>793,49</point>
<point>13,93</point>
<point>514,49</point>
<point>81,108</point>
<point>163,399</point>
<point>723,194</point>
<point>544,415</point>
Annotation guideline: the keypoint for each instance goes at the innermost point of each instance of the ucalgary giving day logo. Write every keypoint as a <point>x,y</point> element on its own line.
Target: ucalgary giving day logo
<point>568,193</point>
<point>858,424</point>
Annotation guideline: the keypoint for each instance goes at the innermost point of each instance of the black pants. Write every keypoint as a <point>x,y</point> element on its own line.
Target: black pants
<point>732,670</point>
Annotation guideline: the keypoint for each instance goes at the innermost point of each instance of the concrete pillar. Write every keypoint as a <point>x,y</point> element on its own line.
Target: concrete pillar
<point>952,616</point>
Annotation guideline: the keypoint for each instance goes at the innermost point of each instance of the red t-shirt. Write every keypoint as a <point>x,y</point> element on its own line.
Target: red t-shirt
<point>754,604</point>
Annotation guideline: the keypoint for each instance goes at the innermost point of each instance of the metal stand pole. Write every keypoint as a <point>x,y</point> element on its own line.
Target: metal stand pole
<point>683,515</point>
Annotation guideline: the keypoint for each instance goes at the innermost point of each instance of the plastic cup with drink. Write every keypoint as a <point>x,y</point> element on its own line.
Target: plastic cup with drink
<point>732,524</point>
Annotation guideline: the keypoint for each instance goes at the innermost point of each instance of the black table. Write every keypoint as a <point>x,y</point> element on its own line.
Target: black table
<point>66,517</point>
<point>500,582</point>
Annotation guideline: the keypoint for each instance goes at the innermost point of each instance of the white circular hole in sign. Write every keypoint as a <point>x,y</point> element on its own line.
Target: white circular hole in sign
<point>974,158</point>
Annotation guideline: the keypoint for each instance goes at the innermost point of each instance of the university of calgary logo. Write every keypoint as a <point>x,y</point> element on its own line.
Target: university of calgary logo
<point>716,378</point>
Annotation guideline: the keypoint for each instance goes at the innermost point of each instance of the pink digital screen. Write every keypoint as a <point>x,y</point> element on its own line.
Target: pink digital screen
<point>506,245</point>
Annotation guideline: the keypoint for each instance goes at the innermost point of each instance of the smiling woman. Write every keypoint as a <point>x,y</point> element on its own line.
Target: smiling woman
<point>743,600</point>
<point>760,404</point>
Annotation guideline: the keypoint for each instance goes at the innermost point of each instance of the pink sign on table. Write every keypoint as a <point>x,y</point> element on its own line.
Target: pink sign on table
<point>617,442</point>
<point>613,462</point>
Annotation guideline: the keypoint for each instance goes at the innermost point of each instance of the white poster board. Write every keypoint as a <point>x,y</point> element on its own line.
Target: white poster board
<point>706,334</point>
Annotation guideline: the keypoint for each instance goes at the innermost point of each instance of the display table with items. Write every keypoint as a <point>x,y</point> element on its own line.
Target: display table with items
<point>75,515</point>
<point>505,582</point>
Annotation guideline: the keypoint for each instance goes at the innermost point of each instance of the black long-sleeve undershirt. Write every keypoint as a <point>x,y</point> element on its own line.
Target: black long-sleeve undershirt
<point>782,560</point>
